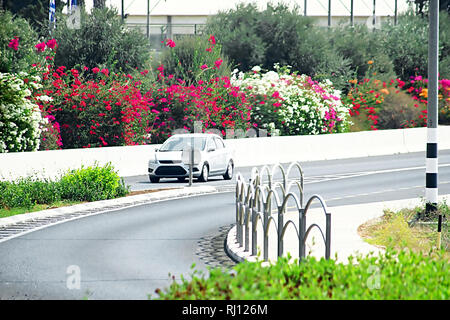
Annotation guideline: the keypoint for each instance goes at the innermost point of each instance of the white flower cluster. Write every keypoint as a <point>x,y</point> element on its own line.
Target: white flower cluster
<point>20,119</point>
<point>306,106</point>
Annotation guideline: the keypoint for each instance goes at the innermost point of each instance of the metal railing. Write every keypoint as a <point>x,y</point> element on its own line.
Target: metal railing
<point>254,204</point>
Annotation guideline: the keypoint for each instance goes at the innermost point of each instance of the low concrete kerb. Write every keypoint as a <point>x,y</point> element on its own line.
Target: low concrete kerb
<point>109,205</point>
<point>345,240</point>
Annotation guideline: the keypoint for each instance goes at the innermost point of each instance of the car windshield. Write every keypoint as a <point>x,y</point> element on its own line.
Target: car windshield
<point>180,143</point>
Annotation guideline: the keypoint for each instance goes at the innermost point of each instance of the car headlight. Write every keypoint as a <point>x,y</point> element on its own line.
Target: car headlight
<point>152,161</point>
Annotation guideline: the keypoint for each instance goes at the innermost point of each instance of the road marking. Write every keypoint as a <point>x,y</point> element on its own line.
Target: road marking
<point>365,173</point>
<point>365,194</point>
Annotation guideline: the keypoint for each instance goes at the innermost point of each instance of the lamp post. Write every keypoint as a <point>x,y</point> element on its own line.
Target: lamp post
<point>148,20</point>
<point>351,13</point>
<point>123,14</point>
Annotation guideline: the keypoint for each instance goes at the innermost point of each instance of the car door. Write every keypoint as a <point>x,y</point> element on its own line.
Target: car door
<point>211,150</point>
<point>221,155</point>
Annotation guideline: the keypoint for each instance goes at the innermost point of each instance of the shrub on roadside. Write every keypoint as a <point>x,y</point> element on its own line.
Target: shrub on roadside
<point>92,183</point>
<point>26,192</point>
<point>389,276</point>
<point>85,184</point>
<point>96,108</point>
<point>399,110</point>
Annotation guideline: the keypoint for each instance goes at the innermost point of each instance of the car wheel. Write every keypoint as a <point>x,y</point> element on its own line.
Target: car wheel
<point>204,175</point>
<point>230,170</point>
<point>154,179</point>
<point>182,179</point>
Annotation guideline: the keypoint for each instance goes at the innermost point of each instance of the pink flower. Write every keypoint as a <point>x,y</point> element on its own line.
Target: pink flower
<point>85,68</point>
<point>14,43</point>
<point>104,71</point>
<point>51,43</point>
<point>40,47</point>
<point>170,43</point>
<point>212,40</point>
<point>95,70</point>
<point>218,63</point>
<point>203,67</point>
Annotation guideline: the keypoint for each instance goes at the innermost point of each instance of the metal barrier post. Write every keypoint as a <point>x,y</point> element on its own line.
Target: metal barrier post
<point>280,231</point>
<point>301,234</point>
<point>328,236</point>
<point>247,231</point>
<point>267,207</point>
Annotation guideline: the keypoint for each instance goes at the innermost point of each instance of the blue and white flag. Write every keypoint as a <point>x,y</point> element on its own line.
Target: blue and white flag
<point>73,6</point>
<point>52,14</point>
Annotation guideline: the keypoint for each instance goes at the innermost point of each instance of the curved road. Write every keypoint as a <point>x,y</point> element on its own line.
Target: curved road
<point>128,253</point>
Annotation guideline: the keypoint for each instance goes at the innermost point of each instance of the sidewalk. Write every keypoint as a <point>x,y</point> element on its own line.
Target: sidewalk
<point>345,240</point>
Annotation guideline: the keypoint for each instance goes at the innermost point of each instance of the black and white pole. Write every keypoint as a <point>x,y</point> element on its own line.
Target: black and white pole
<point>431,190</point>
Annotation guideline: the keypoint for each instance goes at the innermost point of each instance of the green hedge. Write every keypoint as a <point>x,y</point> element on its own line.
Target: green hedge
<point>403,275</point>
<point>85,184</point>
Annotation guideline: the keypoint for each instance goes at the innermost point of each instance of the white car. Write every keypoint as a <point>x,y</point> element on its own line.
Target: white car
<point>214,158</point>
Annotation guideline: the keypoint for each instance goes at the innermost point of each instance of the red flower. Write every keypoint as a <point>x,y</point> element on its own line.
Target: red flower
<point>170,43</point>
<point>104,71</point>
<point>218,63</point>
<point>40,47</point>
<point>95,70</point>
<point>212,40</point>
<point>14,43</point>
<point>203,67</point>
<point>51,43</point>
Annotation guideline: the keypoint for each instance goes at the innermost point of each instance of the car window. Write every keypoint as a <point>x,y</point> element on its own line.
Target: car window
<point>211,144</point>
<point>180,143</point>
<point>219,143</point>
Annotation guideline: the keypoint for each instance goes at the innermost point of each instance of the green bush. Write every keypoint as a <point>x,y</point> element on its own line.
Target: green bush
<point>185,60</point>
<point>390,276</point>
<point>102,40</point>
<point>279,35</point>
<point>26,192</point>
<point>85,184</point>
<point>237,31</point>
<point>92,183</point>
<point>407,45</point>
<point>12,60</point>
<point>359,45</point>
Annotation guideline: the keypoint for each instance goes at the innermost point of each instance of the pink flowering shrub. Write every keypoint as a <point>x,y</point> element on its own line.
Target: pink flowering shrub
<point>418,88</point>
<point>215,103</point>
<point>108,110</point>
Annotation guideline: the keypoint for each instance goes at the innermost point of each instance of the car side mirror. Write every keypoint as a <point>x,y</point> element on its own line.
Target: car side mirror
<point>156,150</point>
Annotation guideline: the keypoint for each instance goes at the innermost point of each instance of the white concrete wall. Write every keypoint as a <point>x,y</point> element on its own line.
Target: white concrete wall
<point>257,151</point>
<point>132,160</point>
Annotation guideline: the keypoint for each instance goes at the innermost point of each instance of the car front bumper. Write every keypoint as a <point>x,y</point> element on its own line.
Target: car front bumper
<point>172,170</point>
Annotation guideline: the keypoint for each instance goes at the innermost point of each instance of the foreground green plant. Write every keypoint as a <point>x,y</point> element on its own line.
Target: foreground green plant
<point>392,275</point>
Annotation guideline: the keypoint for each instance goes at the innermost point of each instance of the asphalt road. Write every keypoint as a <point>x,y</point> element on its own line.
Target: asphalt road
<point>127,254</point>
